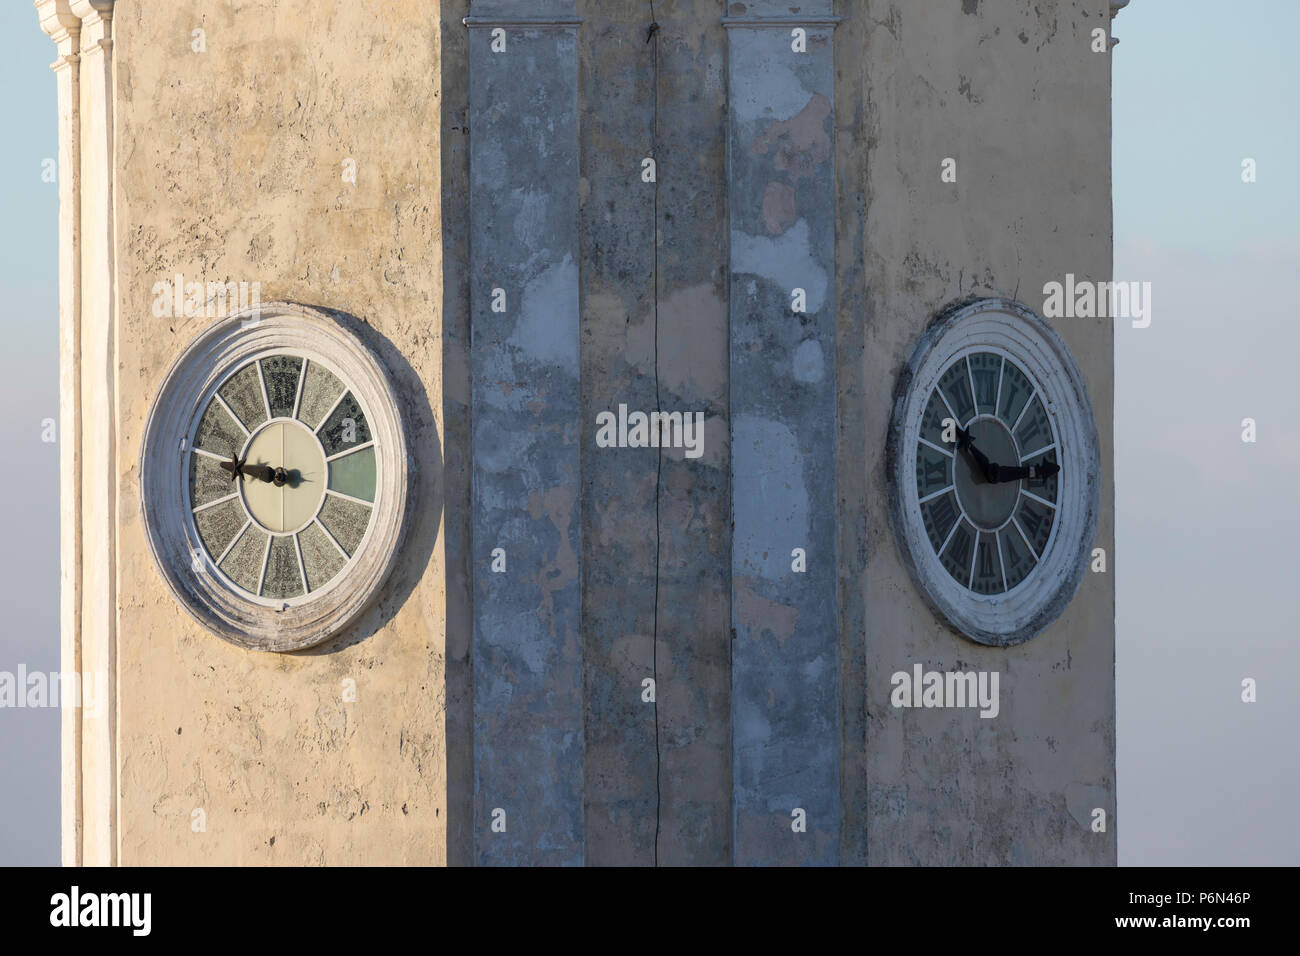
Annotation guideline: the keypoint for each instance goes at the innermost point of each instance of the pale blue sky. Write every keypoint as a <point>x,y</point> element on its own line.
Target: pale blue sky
<point>1208,536</point>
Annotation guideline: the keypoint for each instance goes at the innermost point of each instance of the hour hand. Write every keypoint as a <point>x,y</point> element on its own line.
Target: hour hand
<point>264,472</point>
<point>235,466</point>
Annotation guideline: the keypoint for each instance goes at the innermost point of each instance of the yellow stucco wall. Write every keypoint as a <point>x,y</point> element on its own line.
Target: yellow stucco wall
<point>229,166</point>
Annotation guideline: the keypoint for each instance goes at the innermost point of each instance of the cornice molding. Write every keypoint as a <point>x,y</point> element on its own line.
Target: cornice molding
<point>57,19</point>
<point>91,11</point>
<point>96,25</point>
<point>63,27</point>
<point>522,21</point>
<point>761,21</point>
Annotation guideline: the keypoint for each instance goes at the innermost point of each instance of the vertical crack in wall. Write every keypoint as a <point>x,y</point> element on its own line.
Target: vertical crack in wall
<point>652,36</point>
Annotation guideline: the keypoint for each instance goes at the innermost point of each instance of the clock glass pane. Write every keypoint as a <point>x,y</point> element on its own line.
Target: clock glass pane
<point>939,515</point>
<point>281,373</point>
<point>1035,520</point>
<point>932,421</point>
<point>955,386</point>
<point>1016,556</point>
<point>1042,487</point>
<point>988,566</point>
<point>957,556</point>
<point>1034,432</point>
<point>1015,392</point>
<point>243,394</point>
<point>933,471</point>
<point>283,477</point>
<point>985,370</point>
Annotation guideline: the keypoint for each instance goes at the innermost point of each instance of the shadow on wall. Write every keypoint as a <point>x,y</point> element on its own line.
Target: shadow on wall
<point>424,498</point>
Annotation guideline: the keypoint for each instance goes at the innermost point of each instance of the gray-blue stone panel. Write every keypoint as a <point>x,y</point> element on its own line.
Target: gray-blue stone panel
<point>785,706</point>
<point>527,655</point>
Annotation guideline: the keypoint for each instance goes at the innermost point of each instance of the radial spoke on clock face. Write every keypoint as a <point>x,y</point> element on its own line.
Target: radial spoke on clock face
<point>349,451</point>
<point>338,494</point>
<point>302,567</point>
<point>997,539</point>
<point>216,501</point>
<point>1042,501</point>
<point>266,559</point>
<point>1002,371</point>
<point>266,398</point>
<point>936,494</point>
<point>231,413</point>
<point>1033,395</point>
<point>1024,537</point>
<point>955,384</point>
<point>1035,427</point>
<point>951,531</point>
<point>233,541</point>
<point>1017,557</point>
<point>333,540</point>
<point>934,447</point>
<point>1036,453</point>
<point>957,556</point>
<point>326,417</point>
<point>948,405</point>
<point>1013,393</point>
<point>974,395</point>
<point>297,397</point>
<point>974,553</point>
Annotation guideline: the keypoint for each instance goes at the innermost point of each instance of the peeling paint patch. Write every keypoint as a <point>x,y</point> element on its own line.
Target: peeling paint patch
<point>775,93</point>
<point>786,259</point>
<point>758,614</point>
<point>802,142</point>
<point>546,330</point>
<point>808,365</point>
<point>771,502</point>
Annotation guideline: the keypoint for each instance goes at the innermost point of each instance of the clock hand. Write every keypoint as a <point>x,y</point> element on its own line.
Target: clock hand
<point>966,443</point>
<point>999,474</point>
<point>235,466</point>
<point>264,472</point>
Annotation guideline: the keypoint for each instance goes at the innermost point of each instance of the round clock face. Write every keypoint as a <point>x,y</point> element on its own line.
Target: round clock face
<point>273,477</point>
<point>282,477</point>
<point>993,471</point>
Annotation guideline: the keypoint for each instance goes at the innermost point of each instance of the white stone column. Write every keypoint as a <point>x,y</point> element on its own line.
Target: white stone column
<point>87,466</point>
<point>64,28</point>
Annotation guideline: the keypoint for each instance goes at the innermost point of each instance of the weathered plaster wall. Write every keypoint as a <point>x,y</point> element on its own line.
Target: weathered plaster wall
<point>229,167</point>
<point>1015,95</point>
<point>630,316</point>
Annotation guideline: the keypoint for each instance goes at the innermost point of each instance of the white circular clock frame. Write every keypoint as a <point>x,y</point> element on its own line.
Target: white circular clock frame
<point>224,348</point>
<point>1011,329</point>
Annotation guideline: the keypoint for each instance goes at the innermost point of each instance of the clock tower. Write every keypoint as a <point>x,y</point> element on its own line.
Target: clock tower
<point>549,432</point>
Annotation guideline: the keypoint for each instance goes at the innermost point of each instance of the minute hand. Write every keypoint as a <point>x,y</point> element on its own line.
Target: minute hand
<point>1000,474</point>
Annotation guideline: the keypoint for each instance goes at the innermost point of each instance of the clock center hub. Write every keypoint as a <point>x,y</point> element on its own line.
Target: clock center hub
<point>289,501</point>
<point>989,506</point>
